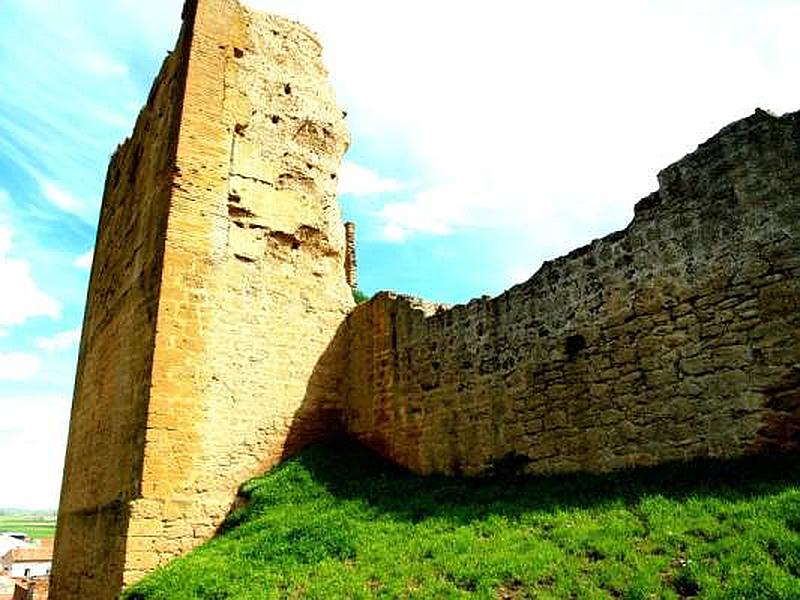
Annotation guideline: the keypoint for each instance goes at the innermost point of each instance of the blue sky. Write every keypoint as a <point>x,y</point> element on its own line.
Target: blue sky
<point>487,137</point>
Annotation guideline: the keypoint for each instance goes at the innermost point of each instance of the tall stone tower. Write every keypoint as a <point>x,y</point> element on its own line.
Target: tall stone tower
<point>217,289</point>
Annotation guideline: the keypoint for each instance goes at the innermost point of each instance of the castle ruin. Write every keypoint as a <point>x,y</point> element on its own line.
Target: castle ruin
<point>220,333</point>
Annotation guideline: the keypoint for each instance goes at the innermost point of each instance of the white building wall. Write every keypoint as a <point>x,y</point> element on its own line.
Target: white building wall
<point>35,569</point>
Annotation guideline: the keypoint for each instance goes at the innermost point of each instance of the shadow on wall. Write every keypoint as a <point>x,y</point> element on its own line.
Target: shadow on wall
<point>319,436</point>
<point>318,420</point>
<point>672,340</point>
<point>319,417</point>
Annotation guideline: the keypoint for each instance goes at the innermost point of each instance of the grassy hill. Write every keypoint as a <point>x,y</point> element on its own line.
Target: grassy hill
<point>337,522</point>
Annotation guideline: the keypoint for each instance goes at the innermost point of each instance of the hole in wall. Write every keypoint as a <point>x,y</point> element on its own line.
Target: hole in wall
<point>238,52</point>
<point>287,89</point>
<point>239,212</point>
<point>574,344</point>
<point>240,128</point>
<point>275,119</point>
<point>756,355</point>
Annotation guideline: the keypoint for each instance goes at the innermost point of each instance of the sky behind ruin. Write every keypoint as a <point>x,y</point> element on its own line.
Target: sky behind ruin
<point>487,137</point>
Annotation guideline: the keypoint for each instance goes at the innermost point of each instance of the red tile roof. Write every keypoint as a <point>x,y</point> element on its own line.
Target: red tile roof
<point>31,554</point>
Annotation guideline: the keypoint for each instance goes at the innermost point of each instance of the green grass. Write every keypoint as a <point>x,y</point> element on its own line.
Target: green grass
<point>336,522</point>
<point>35,525</point>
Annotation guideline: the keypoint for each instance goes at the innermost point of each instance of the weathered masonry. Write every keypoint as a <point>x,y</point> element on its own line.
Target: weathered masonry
<point>678,337</point>
<point>220,333</point>
<point>218,284</point>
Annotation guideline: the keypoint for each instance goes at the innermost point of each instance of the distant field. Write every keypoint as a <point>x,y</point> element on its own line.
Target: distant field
<point>37,526</point>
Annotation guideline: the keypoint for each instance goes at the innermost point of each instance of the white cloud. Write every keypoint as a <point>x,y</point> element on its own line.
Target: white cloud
<point>23,298</point>
<point>556,116</point>
<point>103,65</point>
<point>361,181</point>
<point>60,198</point>
<point>60,341</point>
<point>433,211</point>
<point>3,333</point>
<point>393,233</point>
<point>519,273</point>
<point>5,240</point>
<point>113,118</point>
<point>84,261</point>
<point>19,366</point>
<point>33,427</point>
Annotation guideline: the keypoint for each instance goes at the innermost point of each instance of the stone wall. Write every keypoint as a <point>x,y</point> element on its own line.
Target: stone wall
<point>218,287</point>
<point>216,338</point>
<point>678,337</point>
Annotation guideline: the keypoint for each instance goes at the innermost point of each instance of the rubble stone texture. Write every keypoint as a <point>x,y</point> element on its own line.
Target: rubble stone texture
<point>676,338</point>
<point>220,334</point>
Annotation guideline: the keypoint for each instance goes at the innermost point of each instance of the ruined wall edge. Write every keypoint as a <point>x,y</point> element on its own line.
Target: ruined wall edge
<point>676,338</point>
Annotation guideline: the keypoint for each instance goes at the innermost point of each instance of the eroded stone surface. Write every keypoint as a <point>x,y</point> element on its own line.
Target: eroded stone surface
<point>216,338</point>
<point>219,284</point>
<point>678,337</point>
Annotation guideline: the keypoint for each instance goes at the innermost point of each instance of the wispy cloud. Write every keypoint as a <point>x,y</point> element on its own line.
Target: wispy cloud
<point>84,261</point>
<point>71,79</point>
<point>19,366</point>
<point>33,426</point>
<point>63,340</point>
<point>117,120</point>
<point>358,180</point>
<point>23,299</point>
<point>103,65</point>
<point>552,114</point>
<point>60,198</point>
<point>435,211</point>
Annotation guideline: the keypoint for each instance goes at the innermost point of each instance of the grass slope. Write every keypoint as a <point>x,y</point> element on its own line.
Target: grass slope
<point>337,522</point>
